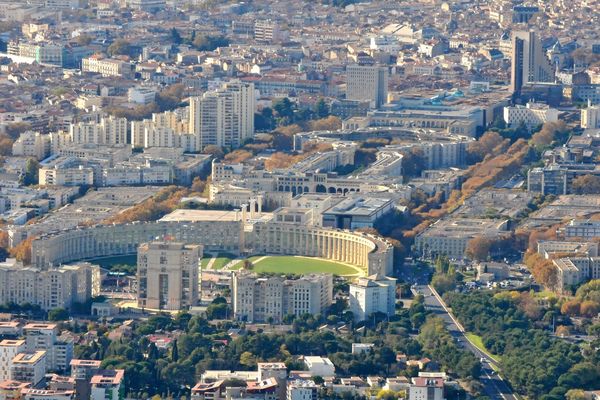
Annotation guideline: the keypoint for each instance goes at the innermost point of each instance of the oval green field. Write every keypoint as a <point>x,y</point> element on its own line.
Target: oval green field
<point>300,265</point>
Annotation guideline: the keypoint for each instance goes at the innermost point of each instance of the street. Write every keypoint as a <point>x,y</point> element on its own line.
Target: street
<point>494,386</point>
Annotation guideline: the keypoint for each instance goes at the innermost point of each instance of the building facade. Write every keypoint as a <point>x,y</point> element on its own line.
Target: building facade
<point>168,275</point>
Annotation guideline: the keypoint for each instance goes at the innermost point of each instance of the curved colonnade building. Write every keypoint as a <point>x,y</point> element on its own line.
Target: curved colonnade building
<point>372,254</point>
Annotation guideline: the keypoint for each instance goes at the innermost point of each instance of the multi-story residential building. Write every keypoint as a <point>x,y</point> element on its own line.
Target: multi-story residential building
<point>319,366</point>
<point>168,275</point>
<point>29,367</point>
<point>106,67</point>
<point>267,31</point>
<point>66,172</point>
<point>224,117</point>
<point>529,61</point>
<point>32,144</point>
<point>259,299</point>
<point>367,83</point>
<point>590,117</point>
<point>47,394</point>
<point>53,288</point>
<point>586,229</point>
<point>84,369</point>
<point>302,390</point>
<point>109,130</point>
<point>8,351</point>
<point>532,115</point>
<point>450,237</point>
<point>424,388</point>
<point>108,385</point>
<point>572,271</point>
<point>11,390</point>
<point>373,294</point>
<point>44,337</point>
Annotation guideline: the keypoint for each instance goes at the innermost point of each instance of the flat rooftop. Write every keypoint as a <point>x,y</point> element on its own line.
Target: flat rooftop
<point>29,358</point>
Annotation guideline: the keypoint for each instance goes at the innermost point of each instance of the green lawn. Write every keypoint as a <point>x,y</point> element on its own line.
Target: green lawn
<point>299,265</point>
<point>221,261</point>
<point>478,342</point>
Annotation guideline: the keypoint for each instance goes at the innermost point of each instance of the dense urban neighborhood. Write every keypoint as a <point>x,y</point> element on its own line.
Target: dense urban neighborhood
<point>299,200</point>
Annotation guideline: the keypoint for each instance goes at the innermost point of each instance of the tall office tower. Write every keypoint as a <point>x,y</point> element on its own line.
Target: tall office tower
<point>223,117</point>
<point>529,61</point>
<point>367,83</point>
<point>167,274</point>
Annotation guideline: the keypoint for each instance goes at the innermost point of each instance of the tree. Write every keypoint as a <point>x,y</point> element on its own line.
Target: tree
<point>443,283</point>
<point>174,351</point>
<point>6,144</point>
<point>321,109</point>
<point>589,308</point>
<point>120,47</point>
<point>486,144</point>
<point>198,185</point>
<point>58,314</point>
<point>84,40</point>
<point>571,308</point>
<point>209,43</point>
<point>284,110</point>
<point>575,394</point>
<point>550,132</point>
<point>22,251</point>
<point>586,184</point>
<point>248,359</point>
<point>32,167</point>
<point>175,36</point>
<point>215,151</point>
<point>478,248</point>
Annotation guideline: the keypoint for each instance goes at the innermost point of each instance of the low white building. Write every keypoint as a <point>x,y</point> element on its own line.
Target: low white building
<point>532,115</point>
<point>302,390</point>
<point>319,366</point>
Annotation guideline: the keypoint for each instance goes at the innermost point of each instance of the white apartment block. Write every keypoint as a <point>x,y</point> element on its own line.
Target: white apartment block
<point>53,288</point>
<point>367,83</point>
<point>62,174</point>
<point>302,390</point>
<point>319,366</point>
<point>32,144</point>
<point>532,115</point>
<point>373,294</point>
<point>8,351</point>
<point>109,131</point>
<point>573,271</point>
<point>590,117</point>
<point>168,275</point>
<point>423,388</point>
<point>224,117</point>
<point>39,336</point>
<point>259,299</point>
<point>29,367</point>
<point>141,95</point>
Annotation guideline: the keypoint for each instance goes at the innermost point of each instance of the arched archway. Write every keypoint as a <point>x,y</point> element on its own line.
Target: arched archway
<point>287,188</point>
<point>331,190</point>
<point>306,190</point>
<point>321,189</point>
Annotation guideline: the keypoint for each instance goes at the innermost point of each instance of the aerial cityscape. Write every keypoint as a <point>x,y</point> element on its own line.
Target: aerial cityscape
<point>299,200</point>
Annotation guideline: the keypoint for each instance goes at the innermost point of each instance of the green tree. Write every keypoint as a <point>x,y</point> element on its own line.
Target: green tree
<point>32,167</point>
<point>322,109</point>
<point>58,314</point>
<point>175,36</point>
<point>120,47</point>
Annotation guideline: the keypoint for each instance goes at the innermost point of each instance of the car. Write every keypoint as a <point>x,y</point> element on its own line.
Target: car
<point>482,360</point>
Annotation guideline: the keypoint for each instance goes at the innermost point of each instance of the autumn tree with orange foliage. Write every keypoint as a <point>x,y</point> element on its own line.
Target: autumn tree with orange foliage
<point>22,251</point>
<point>543,270</point>
<point>489,143</point>
<point>478,248</point>
<point>571,308</point>
<point>282,160</point>
<point>238,156</point>
<point>550,132</point>
<point>151,209</point>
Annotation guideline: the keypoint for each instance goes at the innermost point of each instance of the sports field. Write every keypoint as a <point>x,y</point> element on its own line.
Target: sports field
<point>300,265</point>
